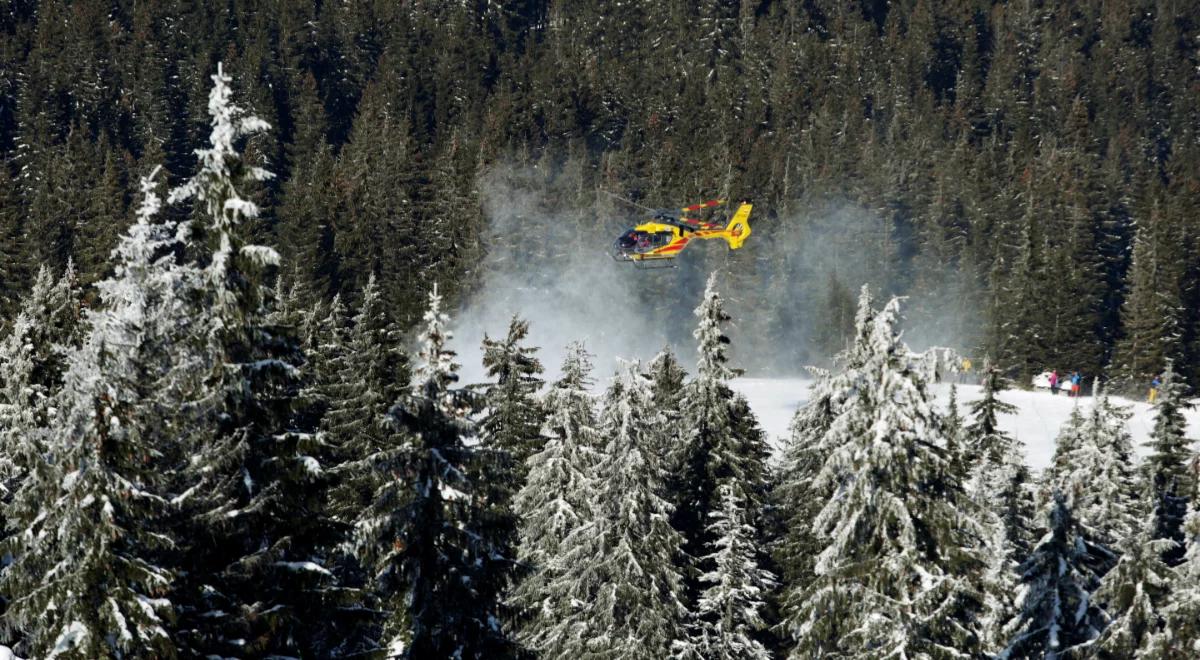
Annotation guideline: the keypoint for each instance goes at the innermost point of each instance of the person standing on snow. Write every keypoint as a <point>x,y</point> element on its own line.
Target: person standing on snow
<point>1154,384</point>
<point>1054,381</point>
<point>1075,380</point>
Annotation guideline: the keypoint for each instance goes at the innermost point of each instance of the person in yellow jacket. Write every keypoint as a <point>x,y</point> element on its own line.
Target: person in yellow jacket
<point>964,372</point>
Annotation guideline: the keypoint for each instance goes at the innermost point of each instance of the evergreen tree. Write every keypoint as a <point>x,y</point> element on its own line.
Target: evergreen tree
<point>378,222</point>
<point>1057,611</point>
<point>307,215</point>
<point>87,535</point>
<point>1179,637</point>
<point>798,495</point>
<point>626,596</point>
<point>514,419</point>
<point>999,486</point>
<point>255,575</point>
<point>1056,475</point>
<point>731,605</point>
<point>667,378</point>
<point>666,381</point>
<point>886,449</point>
<point>509,433</point>
<point>423,533</point>
<point>557,498</point>
<point>104,215</point>
<point>1168,465</point>
<point>839,307</point>
<point>15,249</point>
<point>1000,475</point>
<point>955,430</point>
<point>1095,472</point>
<point>365,373</point>
<point>1132,594</point>
<point>712,454</point>
<point>33,359</point>
<point>1152,313</point>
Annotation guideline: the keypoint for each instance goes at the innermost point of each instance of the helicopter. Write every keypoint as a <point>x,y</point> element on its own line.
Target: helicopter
<point>656,242</point>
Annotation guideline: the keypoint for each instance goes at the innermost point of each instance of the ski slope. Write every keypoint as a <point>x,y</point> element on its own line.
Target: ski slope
<point>1039,418</point>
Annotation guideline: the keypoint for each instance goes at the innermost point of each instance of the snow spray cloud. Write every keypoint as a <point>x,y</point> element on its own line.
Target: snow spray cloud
<point>852,245</point>
<point>547,263</point>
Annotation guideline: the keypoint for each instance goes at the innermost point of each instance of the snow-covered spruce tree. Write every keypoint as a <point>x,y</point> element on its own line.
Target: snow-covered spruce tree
<point>513,423</point>
<point>366,375</point>
<point>255,583</point>
<point>1132,594</point>
<point>755,452</point>
<point>52,329</point>
<point>711,453</point>
<point>1179,638</point>
<point>1171,482</point>
<point>667,378</point>
<point>1057,611</point>
<point>423,534</point>
<point>999,478</point>
<point>622,591</point>
<point>735,590</point>
<point>955,428</point>
<point>365,372</point>
<point>1153,313</point>
<point>557,498</point>
<point>295,307</point>
<point>1097,475</point>
<point>797,497</point>
<point>1055,476</point>
<point>86,538</point>
<point>998,484</point>
<point>901,571</point>
<point>509,433</point>
<point>320,332</point>
<point>32,361</point>
<point>324,332</point>
<point>33,355</point>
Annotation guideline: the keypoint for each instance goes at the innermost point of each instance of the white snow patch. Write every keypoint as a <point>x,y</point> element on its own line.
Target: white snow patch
<point>311,465</point>
<point>70,638</point>
<point>1039,418</point>
<point>303,566</point>
<point>261,255</point>
<point>452,494</point>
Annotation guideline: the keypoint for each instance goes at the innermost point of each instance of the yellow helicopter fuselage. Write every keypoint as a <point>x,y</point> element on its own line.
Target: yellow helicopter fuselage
<point>654,241</point>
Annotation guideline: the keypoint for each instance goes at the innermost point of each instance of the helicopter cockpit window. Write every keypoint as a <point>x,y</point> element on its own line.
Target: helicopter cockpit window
<point>628,239</point>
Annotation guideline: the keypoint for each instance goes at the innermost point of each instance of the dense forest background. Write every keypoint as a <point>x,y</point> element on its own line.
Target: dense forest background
<point>1025,171</point>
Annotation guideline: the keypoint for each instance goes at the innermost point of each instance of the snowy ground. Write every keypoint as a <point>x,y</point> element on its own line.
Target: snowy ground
<point>1036,425</point>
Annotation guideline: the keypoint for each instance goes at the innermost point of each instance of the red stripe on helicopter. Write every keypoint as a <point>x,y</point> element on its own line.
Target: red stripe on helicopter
<point>704,205</point>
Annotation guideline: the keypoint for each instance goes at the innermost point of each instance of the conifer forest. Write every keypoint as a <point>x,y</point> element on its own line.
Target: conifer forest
<point>311,345</point>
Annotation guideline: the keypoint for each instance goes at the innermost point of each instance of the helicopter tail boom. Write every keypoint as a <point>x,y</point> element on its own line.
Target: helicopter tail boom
<point>738,228</point>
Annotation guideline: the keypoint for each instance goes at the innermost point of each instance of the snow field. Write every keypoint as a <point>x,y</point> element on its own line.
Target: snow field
<point>1041,416</point>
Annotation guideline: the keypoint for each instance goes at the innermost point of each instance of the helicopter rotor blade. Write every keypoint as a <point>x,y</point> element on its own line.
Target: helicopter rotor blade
<point>703,205</point>
<point>628,201</point>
